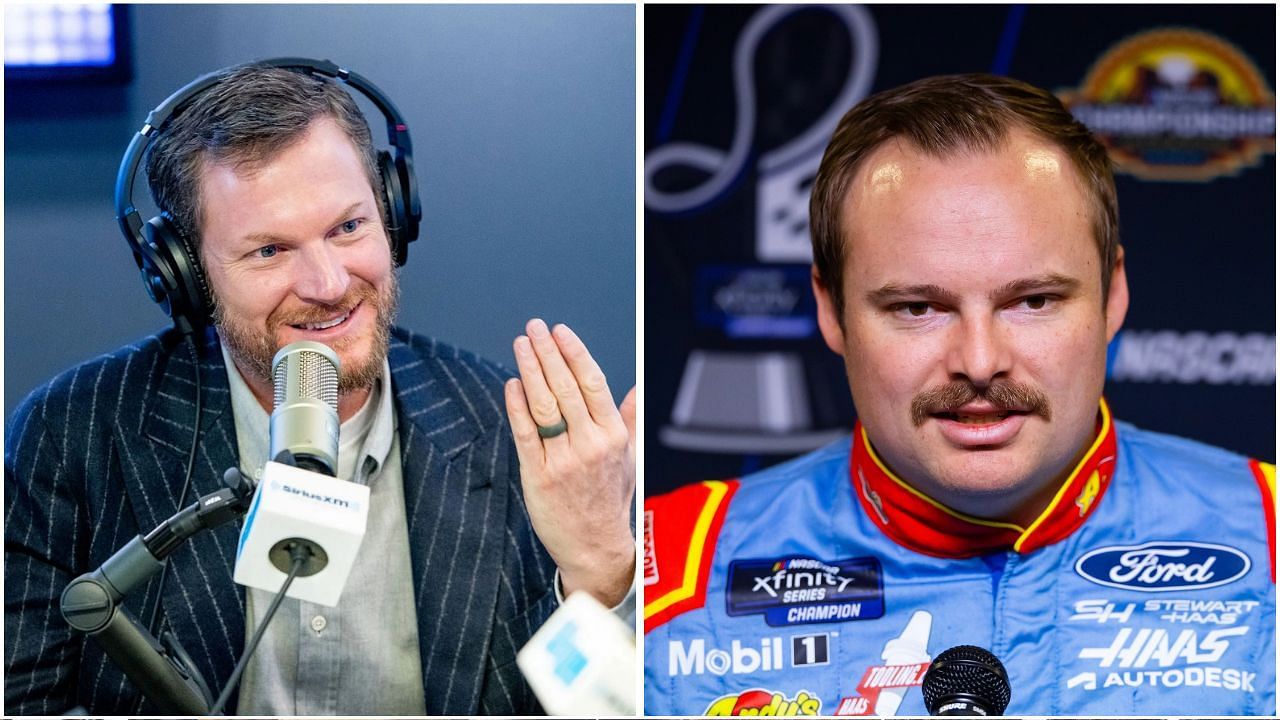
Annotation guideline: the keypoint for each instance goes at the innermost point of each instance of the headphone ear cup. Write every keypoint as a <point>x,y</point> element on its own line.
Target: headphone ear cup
<point>155,272</point>
<point>412,204</point>
<point>175,269</point>
<point>393,200</point>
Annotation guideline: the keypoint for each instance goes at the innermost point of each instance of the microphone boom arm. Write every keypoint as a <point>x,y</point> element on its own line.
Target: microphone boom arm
<point>92,603</point>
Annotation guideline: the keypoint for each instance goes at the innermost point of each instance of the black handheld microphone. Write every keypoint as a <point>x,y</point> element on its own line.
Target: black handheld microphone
<point>966,680</point>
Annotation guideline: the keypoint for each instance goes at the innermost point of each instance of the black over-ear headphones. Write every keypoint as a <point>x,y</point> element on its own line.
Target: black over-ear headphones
<point>170,266</point>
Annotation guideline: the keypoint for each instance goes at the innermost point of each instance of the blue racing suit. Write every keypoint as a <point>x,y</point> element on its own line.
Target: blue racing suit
<point>825,585</point>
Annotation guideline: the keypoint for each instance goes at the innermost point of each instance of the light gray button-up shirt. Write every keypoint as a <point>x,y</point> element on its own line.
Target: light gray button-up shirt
<point>360,657</point>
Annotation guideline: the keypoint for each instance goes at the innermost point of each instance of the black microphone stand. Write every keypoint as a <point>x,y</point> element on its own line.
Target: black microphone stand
<point>92,603</point>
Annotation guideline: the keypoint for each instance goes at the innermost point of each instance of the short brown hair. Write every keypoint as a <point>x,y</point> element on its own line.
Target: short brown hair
<point>941,115</point>
<point>247,118</point>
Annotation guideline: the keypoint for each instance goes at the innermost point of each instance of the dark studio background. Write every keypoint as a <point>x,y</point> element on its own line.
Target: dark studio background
<point>523,125</point>
<point>727,321</point>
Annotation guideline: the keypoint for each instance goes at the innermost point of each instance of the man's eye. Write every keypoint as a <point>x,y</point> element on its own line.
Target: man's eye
<point>905,310</point>
<point>267,251</point>
<point>1035,302</point>
<point>349,226</point>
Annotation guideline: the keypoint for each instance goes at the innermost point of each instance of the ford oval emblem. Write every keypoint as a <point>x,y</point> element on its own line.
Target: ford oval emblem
<point>1163,566</point>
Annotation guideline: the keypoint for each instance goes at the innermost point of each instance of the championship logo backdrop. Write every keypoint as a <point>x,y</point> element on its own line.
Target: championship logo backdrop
<point>739,104</point>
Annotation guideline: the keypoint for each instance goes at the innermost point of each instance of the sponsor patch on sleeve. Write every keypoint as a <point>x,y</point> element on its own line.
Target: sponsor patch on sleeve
<point>797,590</point>
<point>650,552</point>
<point>680,533</point>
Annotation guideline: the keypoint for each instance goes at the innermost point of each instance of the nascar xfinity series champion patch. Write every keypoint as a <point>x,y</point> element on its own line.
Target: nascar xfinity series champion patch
<point>798,590</point>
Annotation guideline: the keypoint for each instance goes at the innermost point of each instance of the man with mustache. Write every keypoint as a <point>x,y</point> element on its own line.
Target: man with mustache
<point>968,270</point>
<point>476,528</point>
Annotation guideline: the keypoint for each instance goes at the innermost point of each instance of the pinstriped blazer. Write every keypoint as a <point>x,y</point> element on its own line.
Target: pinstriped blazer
<point>98,456</point>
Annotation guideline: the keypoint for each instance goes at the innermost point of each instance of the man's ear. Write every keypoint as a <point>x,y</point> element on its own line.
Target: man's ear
<point>1117,297</point>
<point>828,320</point>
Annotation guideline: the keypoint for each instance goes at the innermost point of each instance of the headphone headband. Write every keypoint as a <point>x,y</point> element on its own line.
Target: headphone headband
<point>170,267</point>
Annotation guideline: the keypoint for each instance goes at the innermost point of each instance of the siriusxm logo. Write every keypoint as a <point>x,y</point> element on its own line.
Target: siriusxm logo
<point>569,659</point>
<point>326,499</point>
<point>1163,566</point>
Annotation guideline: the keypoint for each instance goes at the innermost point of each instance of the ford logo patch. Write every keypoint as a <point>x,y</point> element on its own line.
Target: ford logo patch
<point>1163,566</point>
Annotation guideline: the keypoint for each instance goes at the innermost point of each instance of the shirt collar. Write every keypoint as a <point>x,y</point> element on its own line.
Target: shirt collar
<point>382,430</point>
<point>916,521</point>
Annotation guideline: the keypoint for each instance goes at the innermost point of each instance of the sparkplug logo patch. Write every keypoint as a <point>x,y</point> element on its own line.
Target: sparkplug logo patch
<point>1177,104</point>
<point>797,590</point>
<point>1163,566</point>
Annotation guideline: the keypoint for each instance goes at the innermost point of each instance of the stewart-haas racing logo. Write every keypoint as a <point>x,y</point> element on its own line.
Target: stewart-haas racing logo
<point>764,702</point>
<point>1177,104</point>
<point>1197,652</point>
<point>1163,566</point>
<point>796,590</point>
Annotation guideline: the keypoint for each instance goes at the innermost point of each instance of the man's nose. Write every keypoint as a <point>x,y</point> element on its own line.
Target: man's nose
<point>322,275</point>
<point>979,351</point>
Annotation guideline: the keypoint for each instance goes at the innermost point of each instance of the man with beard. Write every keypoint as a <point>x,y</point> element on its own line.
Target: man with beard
<point>968,270</point>
<point>476,528</point>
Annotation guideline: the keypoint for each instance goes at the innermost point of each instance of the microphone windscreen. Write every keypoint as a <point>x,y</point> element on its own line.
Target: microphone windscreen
<point>966,675</point>
<point>304,420</point>
<point>306,369</point>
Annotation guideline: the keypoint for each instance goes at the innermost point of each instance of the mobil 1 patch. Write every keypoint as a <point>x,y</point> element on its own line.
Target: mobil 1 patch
<point>799,590</point>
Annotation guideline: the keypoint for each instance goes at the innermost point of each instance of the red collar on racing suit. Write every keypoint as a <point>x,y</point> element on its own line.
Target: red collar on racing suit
<point>918,522</point>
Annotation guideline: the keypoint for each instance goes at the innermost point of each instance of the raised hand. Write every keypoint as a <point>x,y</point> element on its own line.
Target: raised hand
<point>577,460</point>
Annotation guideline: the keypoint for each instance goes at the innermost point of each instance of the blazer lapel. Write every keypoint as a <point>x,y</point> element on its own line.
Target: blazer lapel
<point>450,449</point>
<point>202,603</point>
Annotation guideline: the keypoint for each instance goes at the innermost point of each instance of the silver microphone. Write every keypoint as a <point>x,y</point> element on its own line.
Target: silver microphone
<point>304,421</point>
